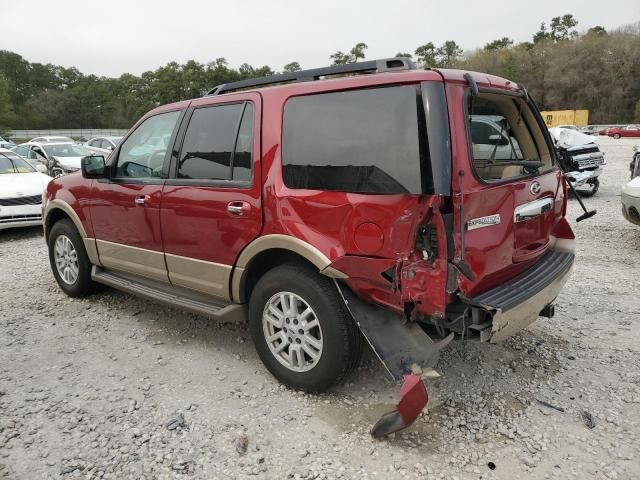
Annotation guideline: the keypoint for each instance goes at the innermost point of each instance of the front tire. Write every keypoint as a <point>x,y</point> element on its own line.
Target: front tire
<point>594,183</point>
<point>69,261</point>
<point>616,136</point>
<point>301,328</point>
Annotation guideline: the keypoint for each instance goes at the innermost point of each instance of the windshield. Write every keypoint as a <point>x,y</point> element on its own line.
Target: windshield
<point>506,141</point>
<point>12,163</point>
<point>66,150</point>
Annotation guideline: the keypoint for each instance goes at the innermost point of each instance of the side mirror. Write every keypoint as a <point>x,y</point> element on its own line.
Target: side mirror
<point>498,140</point>
<point>93,166</point>
<point>41,168</point>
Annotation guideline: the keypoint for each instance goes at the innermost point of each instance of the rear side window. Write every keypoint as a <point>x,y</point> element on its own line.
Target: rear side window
<point>506,141</point>
<point>218,144</point>
<point>363,141</point>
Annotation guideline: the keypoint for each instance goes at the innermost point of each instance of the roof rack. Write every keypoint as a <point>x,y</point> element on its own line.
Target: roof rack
<point>371,66</point>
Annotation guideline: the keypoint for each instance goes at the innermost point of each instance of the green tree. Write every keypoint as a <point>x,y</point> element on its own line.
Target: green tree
<point>358,52</point>
<point>503,42</point>
<point>404,55</point>
<point>596,31</point>
<point>340,58</point>
<point>448,53</point>
<point>292,67</point>
<point>426,55</point>
<point>542,34</point>
<point>6,111</point>
<point>563,28</point>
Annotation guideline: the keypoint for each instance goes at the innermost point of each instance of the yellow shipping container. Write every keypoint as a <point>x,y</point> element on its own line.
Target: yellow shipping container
<point>579,118</point>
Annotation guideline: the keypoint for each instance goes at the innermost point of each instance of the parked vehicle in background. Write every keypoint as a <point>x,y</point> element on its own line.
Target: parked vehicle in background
<point>21,188</point>
<point>59,158</point>
<point>581,159</point>
<point>603,131</point>
<point>590,130</point>
<point>6,143</point>
<point>568,127</point>
<point>628,131</point>
<point>52,139</point>
<point>105,144</point>
<point>630,198</point>
<point>309,204</point>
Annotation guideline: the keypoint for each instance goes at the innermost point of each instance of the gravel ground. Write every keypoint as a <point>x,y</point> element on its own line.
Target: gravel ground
<point>117,387</point>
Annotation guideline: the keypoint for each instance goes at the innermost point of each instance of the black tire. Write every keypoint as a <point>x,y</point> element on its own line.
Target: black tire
<point>616,136</point>
<point>595,186</point>
<point>341,339</point>
<point>83,285</point>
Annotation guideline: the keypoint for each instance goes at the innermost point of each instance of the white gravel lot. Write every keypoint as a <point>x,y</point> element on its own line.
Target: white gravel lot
<point>94,388</point>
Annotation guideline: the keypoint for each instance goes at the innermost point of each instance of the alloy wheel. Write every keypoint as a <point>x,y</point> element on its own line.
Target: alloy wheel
<point>66,259</point>
<point>292,331</point>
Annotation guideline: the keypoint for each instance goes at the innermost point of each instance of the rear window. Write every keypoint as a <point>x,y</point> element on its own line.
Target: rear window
<point>506,141</point>
<point>363,141</point>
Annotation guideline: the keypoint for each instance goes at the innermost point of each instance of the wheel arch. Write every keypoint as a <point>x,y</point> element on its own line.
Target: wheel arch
<point>57,210</point>
<point>269,251</point>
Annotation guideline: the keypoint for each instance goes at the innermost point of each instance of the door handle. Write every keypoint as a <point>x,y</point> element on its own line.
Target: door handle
<point>532,209</point>
<point>238,208</point>
<point>142,200</point>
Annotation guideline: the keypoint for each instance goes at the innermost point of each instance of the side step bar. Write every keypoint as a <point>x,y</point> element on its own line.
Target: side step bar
<point>173,296</point>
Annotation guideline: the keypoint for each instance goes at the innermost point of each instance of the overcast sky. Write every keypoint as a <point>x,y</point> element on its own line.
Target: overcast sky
<point>111,37</point>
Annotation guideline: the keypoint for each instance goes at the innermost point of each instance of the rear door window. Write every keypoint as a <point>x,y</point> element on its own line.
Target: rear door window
<point>218,143</point>
<point>363,141</point>
<point>506,141</point>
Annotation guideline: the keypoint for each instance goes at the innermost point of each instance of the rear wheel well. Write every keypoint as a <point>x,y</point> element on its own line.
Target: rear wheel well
<point>265,261</point>
<point>54,217</point>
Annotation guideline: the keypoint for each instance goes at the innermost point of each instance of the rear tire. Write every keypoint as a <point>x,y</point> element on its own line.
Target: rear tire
<point>69,261</point>
<point>301,328</point>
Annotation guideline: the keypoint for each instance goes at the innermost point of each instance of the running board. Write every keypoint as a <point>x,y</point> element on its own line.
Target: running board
<point>174,296</point>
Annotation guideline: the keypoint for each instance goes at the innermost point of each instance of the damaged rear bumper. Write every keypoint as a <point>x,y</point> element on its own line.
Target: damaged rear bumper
<point>518,302</point>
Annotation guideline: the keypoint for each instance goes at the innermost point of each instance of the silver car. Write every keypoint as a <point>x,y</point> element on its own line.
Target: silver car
<point>104,144</point>
<point>59,158</point>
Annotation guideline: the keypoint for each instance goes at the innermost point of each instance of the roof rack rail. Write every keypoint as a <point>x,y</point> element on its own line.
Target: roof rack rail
<point>371,66</point>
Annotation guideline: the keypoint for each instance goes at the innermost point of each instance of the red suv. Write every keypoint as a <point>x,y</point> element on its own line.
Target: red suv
<point>404,204</point>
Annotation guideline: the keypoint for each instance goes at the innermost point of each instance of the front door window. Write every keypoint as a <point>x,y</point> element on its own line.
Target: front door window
<point>142,155</point>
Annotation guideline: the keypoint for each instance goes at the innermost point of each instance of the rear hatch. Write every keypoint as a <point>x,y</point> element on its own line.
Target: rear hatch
<point>508,193</point>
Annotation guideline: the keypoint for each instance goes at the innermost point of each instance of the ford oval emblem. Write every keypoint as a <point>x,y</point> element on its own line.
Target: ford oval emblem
<point>535,188</point>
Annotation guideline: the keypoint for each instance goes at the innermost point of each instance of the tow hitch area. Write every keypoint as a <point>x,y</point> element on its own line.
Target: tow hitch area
<point>403,349</point>
<point>413,398</point>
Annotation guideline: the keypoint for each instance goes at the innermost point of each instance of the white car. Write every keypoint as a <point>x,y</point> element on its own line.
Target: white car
<point>631,201</point>
<point>52,139</point>
<point>631,191</point>
<point>103,144</point>
<point>60,158</point>
<point>21,187</point>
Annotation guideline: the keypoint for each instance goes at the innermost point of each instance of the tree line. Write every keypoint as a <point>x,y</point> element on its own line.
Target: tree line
<point>597,70</point>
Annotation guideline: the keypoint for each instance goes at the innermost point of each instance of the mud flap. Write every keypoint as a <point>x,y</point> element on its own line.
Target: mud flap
<point>398,346</point>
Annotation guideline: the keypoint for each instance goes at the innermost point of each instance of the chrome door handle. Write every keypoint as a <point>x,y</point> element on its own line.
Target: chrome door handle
<point>524,212</point>
<point>238,208</point>
<point>142,200</point>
